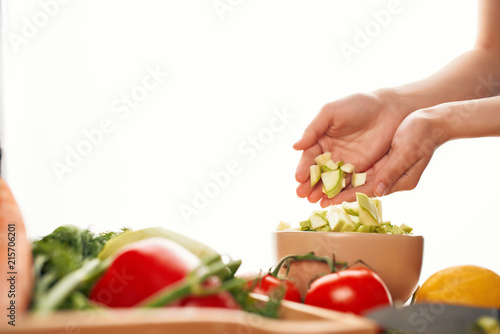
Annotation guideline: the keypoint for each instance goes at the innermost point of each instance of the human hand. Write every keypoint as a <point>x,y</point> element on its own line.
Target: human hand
<point>414,143</point>
<point>357,129</point>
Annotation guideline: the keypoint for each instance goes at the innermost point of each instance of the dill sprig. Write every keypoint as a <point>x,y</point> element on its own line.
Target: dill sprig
<point>60,253</point>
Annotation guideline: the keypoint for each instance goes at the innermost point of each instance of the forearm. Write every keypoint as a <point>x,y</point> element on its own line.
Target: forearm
<point>473,75</point>
<point>467,119</point>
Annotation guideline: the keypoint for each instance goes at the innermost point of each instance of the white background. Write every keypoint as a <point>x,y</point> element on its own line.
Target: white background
<point>226,76</point>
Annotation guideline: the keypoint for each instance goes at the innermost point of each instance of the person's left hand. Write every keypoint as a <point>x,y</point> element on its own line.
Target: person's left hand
<point>357,129</point>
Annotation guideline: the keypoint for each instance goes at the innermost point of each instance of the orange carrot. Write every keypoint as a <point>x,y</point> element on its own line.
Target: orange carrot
<point>16,263</point>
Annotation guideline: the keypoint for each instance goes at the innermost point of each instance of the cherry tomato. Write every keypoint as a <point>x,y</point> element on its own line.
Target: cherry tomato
<point>141,269</point>
<point>221,299</point>
<point>267,284</point>
<point>352,290</point>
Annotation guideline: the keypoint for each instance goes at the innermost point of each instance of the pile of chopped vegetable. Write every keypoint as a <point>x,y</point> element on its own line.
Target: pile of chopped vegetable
<point>364,215</point>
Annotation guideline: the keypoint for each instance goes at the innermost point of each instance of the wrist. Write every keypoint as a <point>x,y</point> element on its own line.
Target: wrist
<point>437,119</point>
<point>395,101</point>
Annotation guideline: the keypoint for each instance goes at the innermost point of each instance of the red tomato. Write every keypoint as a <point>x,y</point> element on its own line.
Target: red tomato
<point>140,270</point>
<point>352,290</point>
<point>221,299</point>
<point>267,284</point>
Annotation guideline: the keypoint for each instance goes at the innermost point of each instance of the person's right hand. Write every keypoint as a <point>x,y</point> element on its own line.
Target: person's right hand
<point>357,129</point>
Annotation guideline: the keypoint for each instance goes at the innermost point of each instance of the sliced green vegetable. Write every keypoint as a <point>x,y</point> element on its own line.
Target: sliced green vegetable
<point>368,212</point>
<point>323,158</point>
<point>197,248</point>
<point>283,226</point>
<point>358,179</point>
<point>315,174</point>
<point>317,220</point>
<point>348,168</point>
<point>325,228</point>
<point>364,229</point>
<point>305,225</point>
<point>329,166</point>
<point>406,228</point>
<point>397,230</point>
<point>352,208</point>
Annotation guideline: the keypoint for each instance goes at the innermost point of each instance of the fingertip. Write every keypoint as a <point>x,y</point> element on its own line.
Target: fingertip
<point>301,175</point>
<point>311,200</point>
<point>384,180</point>
<point>297,145</point>
<point>301,191</point>
<point>381,189</point>
<point>335,201</point>
<point>315,195</point>
<point>325,202</point>
<point>308,139</point>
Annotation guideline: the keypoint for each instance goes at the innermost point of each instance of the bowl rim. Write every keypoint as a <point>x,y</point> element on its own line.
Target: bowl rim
<point>362,235</point>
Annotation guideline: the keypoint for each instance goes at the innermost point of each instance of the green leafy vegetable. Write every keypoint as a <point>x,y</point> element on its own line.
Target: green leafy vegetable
<point>66,265</point>
<point>58,256</point>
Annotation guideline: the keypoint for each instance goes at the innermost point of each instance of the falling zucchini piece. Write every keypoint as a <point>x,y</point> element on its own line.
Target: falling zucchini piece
<point>358,179</point>
<point>338,187</point>
<point>322,159</point>
<point>332,182</point>
<point>348,168</point>
<point>315,174</point>
<point>325,165</point>
<point>329,166</point>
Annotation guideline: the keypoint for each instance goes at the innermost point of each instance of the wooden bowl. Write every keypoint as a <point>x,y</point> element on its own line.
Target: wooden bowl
<point>397,259</point>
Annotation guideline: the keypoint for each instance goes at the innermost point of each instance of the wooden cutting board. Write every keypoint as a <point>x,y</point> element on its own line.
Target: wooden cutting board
<point>295,318</point>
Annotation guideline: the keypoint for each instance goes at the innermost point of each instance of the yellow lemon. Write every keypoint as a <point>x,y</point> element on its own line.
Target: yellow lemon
<point>462,285</point>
